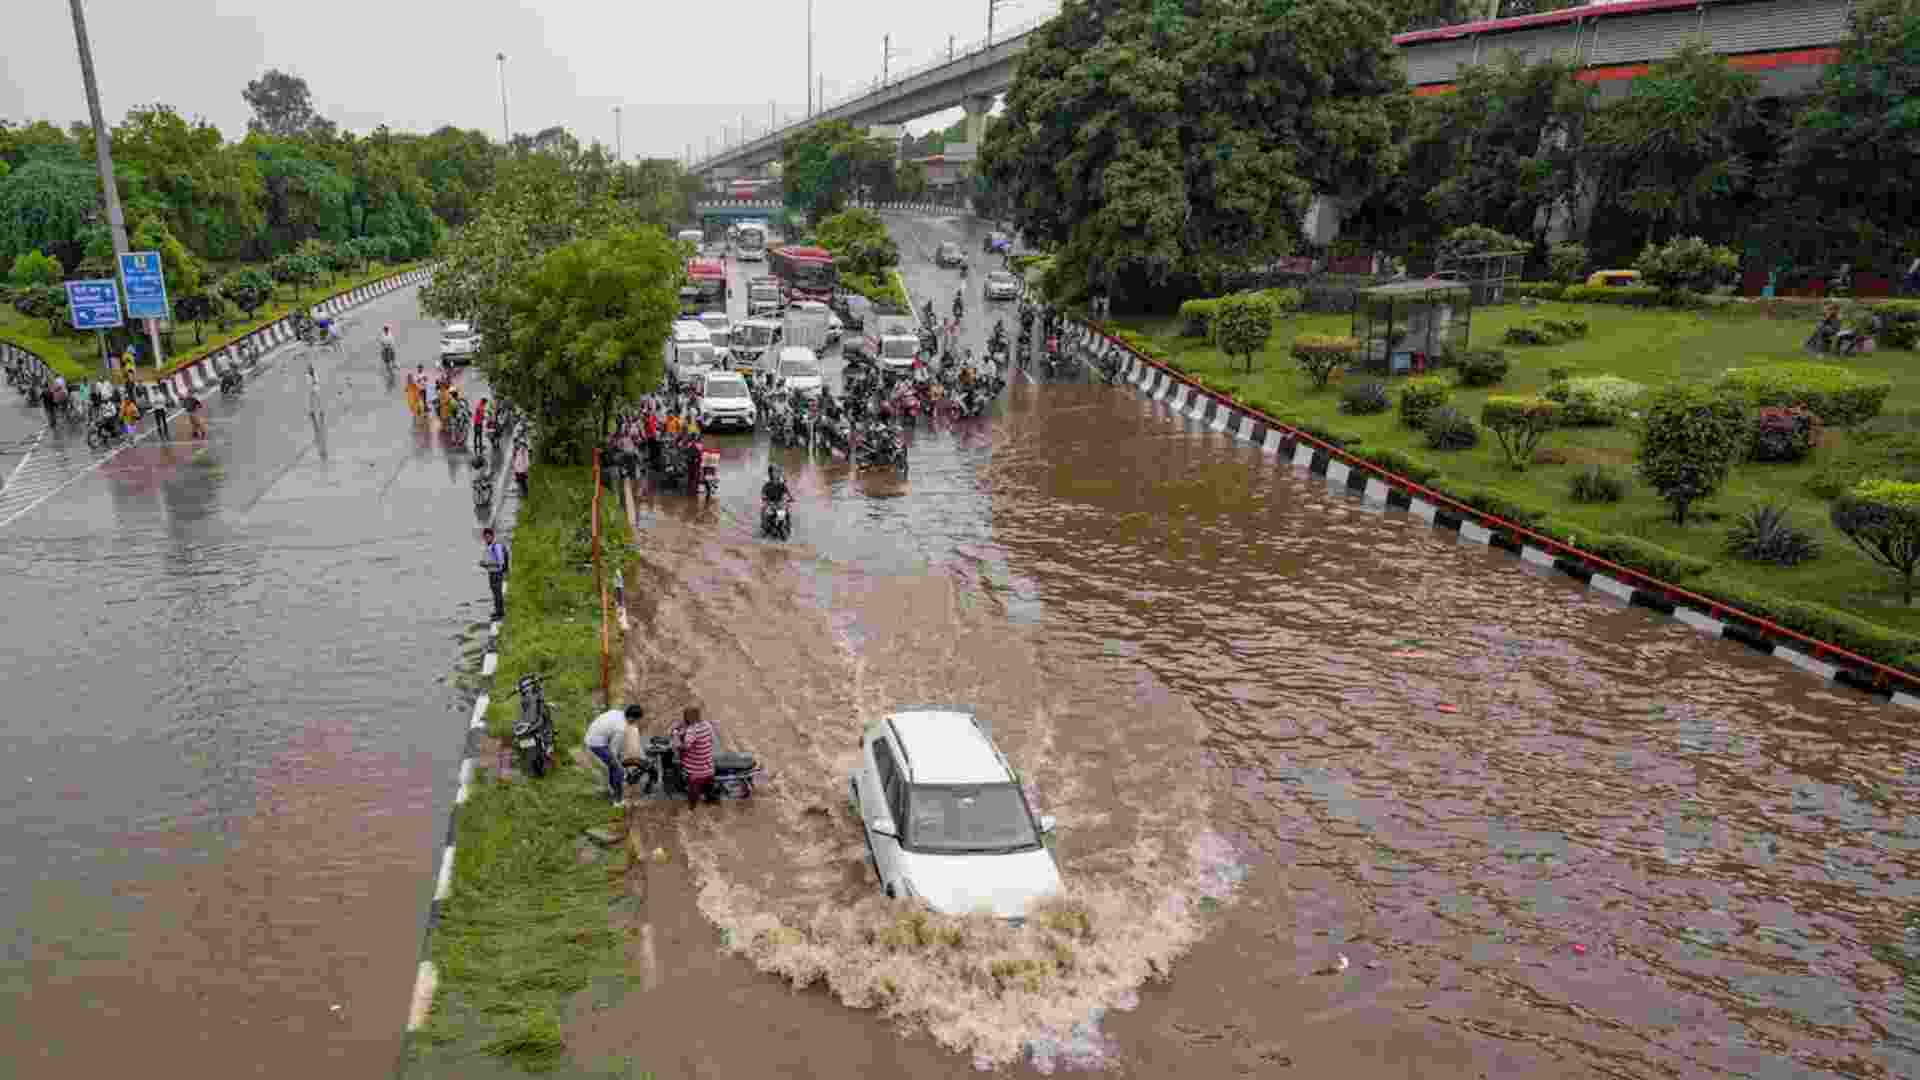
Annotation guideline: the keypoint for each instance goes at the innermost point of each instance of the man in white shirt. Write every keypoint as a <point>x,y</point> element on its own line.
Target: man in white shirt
<point>603,738</point>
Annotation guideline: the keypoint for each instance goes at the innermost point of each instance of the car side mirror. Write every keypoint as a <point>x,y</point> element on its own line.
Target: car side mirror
<point>1046,823</point>
<point>885,828</point>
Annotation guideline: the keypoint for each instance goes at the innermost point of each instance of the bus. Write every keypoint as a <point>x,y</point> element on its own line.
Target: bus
<point>705,288</point>
<point>805,273</point>
<point>751,243</point>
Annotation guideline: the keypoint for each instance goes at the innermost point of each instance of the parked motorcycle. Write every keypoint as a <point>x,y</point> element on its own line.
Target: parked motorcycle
<point>733,773</point>
<point>776,520</point>
<point>533,733</point>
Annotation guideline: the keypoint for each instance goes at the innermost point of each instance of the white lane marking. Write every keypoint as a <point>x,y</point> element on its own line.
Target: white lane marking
<point>489,662</point>
<point>424,985</point>
<point>480,712</point>
<point>445,887</point>
<point>466,782</point>
<point>24,458</point>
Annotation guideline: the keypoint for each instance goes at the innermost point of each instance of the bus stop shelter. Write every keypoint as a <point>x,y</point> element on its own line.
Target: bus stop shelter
<point>1406,327</point>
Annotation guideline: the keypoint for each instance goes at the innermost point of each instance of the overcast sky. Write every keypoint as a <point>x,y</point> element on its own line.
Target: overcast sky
<point>680,71</point>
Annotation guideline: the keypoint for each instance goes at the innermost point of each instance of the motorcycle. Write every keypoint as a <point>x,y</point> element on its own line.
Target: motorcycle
<point>776,520</point>
<point>881,447</point>
<point>1842,342</point>
<point>533,733</point>
<point>710,471</point>
<point>105,431</point>
<point>733,773</point>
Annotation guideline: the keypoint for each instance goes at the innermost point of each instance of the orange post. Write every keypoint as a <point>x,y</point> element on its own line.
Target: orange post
<point>606,694</point>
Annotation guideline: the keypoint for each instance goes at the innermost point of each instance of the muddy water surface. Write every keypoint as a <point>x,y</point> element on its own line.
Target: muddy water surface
<point>1618,850</point>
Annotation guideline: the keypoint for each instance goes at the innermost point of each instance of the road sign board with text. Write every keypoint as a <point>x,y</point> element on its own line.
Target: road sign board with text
<point>146,285</point>
<point>93,305</point>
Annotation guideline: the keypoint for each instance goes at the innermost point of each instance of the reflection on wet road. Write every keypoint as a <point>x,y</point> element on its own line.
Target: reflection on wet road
<point>230,734</point>
<point>1621,850</point>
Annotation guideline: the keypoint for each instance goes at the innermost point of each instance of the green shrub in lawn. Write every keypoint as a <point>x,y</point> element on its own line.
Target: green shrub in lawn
<point>1838,395</point>
<point>1567,329</point>
<point>1528,333</point>
<point>1882,518</point>
<point>1686,263</point>
<point>1320,355</point>
<point>1562,372</point>
<point>1519,423</point>
<point>1364,398</point>
<point>1450,429</point>
<point>1884,454</point>
<point>1536,290</point>
<point>1596,484</point>
<point>1788,434</point>
<point>1594,400</point>
<point>1197,315</point>
<point>1689,440</point>
<point>1644,296</point>
<point>1567,262</point>
<point>1481,367</point>
<point>1765,534</point>
<point>1651,559</point>
<point>1504,507</point>
<point>1396,462</point>
<point>1418,399</point>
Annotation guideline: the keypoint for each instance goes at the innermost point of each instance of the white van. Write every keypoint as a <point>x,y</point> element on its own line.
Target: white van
<point>725,402</point>
<point>793,367</point>
<point>692,236</point>
<point>690,350</point>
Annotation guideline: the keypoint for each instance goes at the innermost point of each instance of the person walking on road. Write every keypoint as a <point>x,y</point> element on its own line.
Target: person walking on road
<point>50,401</point>
<point>604,738</point>
<point>521,463</point>
<point>313,396</point>
<point>694,736</point>
<point>196,416</point>
<point>495,561</point>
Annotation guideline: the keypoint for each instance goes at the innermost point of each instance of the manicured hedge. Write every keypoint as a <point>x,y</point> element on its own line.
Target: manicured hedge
<point>1890,647</point>
<point>1838,395</point>
<point>1645,296</point>
<point>1648,558</point>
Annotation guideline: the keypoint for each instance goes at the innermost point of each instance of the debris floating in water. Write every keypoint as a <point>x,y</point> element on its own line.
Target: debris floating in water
<point>1447,708</point>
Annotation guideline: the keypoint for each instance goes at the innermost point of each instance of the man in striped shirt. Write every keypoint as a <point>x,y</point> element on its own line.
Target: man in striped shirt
<point>694,737</point>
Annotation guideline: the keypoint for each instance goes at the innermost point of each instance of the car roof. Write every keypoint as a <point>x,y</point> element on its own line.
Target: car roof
<point>943,746</point>
<point>456,326</point>
<point>797,352</point>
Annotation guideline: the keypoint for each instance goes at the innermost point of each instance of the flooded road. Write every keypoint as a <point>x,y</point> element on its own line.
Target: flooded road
<point>230,732</point>
<point>1336,793</point>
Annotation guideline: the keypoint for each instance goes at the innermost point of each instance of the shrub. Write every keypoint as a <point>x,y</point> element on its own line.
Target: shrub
<point>1396,462</point>
<point>1242,325</point>
<point>1418,399</point>
<point>1594,400</point>
<point>1567,262</point>
<point>1450,429</point>
<point>1566,329</point>
<point>31,268</point>
<point>1364,399</point>
<point>248,289</point>
<point>1882,518</point>
<point>1519,423</point>
<point>1562,372</point>
<point>1196,316</point>
<point>1788,434</point>
<point>1838,395</point>
<point>1282,301</point>
<point>1765,534</point>
<point>1503,506</point>
<point>1481,367</point>
<point>1645,296</point>
<point>1536,290</point>
<point>1528,333</point>
<point>1886,455</point>
<point>1476,240</point>
<point>1596,484</point>
<point>1816,620</point>
<point>1648,558</point>
<point>1320,355</point>
<point>1689,441</point>
<point>1688,263</point>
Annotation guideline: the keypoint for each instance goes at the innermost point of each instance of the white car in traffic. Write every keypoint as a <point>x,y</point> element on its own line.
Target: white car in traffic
<point>725,402</point>
<point>945,817</point>
<point>458,342</point>
<point>835,328</point>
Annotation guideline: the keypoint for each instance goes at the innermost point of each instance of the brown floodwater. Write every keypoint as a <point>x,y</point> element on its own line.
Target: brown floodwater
<point>1551,836</point>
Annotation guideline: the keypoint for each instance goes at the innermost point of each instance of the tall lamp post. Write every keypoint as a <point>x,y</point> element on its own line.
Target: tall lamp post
<point>887,53</point>
<point>809,59</point>
<point>103,157</point>
<point>619,144</point>
<point>505,136</point>
<point>993,6</point>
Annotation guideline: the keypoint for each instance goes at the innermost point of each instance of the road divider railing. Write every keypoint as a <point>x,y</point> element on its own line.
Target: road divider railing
<point>1309,453</point>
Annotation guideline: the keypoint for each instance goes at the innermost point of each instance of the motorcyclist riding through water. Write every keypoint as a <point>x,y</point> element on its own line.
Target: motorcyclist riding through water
<point>773,495</point>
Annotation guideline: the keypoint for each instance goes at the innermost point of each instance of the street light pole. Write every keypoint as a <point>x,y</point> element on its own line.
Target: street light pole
<point>993,6</point>
<point>809,59</point>
<point>505,132</point>
<point>103,157</point>
<point>619,142</point>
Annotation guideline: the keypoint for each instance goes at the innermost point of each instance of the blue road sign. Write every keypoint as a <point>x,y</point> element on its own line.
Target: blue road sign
<point>146,285</point>
<point>93,305</point>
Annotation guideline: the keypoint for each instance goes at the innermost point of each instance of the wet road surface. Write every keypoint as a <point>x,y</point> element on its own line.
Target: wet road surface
<point>231,729</point>
<point>1551,836</point>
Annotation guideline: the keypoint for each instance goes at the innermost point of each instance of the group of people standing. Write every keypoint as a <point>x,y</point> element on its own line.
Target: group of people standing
<point>666,427</point>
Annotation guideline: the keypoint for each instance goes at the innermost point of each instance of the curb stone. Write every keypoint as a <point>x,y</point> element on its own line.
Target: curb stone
<point>1306,455</point>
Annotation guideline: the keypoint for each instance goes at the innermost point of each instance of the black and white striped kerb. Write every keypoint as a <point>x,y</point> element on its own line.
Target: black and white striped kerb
<point>1200,406</point>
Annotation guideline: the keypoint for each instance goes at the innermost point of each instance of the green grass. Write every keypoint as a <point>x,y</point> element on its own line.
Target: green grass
<point>1647,346</point>
<point>527,925</point>
<point>77,355</point>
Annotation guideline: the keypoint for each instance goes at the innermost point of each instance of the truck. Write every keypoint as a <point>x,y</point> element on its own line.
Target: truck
<point>764,297</point>
<point>806,327</point>
<point>891,341</point>
<point>753,338</point>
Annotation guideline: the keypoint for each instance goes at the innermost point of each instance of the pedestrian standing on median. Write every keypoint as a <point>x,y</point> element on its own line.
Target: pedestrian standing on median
<point>695,737</point>
<point>495,562</point>
<point>313,396</point>
<point>522,461</point>
<point>605,736</point>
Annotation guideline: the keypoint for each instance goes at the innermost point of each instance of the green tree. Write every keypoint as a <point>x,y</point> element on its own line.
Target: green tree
<point>1242,325</point>
<point>249,289</point>
<point>282,105</point>
<point>209,194</point>
<point>1148,138</point>
<point>821,164</point>
<point>1687,262</point>
<point>582,332</point>
<point>295,269</point>
<point>327,257</point>
<point>1882,518</point>
<point>911,179</point>
<point>1859,133</point>
<point>182,271</point>
<point>1671,148</point>
<point>859,242</point>
<point>45,205</point>
<point>1504,148</point>
<point>1519,423</point>
<point>34,268</point>
<point>305,196</point>
<point>1690,438</point>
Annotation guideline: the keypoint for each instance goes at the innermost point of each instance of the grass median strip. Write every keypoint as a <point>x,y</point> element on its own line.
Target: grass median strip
<point>527,925</point>
<point>1648,347</point>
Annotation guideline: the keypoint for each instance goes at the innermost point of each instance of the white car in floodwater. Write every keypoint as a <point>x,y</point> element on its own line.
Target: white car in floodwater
<point>946,819</point>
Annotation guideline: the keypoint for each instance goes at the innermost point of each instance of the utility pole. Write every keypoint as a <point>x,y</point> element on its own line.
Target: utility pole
<point>993,6</point>
<point>103,157</point>
<point>505,134</point>
<point>809,59</point>
<point>950,48</point>
<point>619,143</point>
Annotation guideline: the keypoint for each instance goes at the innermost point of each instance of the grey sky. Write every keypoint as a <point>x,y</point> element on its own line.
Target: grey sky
<point>679,70</point>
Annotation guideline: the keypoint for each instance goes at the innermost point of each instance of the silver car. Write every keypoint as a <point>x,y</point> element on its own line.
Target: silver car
<point>1002,285</point>
<point>458,342</point>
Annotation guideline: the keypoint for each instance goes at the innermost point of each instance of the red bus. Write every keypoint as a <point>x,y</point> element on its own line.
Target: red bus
<point>706,287</point>
<point>805,273</point>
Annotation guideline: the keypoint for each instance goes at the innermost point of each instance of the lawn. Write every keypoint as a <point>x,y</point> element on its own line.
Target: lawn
<point>1650,346</point>
<point>526,926</point>
<point>77,356</point>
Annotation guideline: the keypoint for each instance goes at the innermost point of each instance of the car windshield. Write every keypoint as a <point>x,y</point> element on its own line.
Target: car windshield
<point>1000,278</point>
<point>899,348</point>
<point>726,388</point>
<point>755,336</point>
<point>969,818</point>
<point>719,339</point>
<point>797,369</point>
<point>457,333</point>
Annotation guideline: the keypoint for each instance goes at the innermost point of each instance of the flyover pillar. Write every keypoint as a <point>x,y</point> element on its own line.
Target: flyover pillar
<point>977,109</point>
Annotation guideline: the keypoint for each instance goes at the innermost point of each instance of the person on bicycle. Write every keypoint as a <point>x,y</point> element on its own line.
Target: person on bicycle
<point>386,344</point>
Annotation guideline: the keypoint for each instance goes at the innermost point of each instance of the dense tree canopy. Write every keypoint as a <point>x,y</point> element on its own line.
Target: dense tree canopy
<point>823,163</point>
<point>1146,139</point>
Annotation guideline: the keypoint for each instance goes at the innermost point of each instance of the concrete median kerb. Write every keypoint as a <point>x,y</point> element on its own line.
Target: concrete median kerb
<point>1374,485</point>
